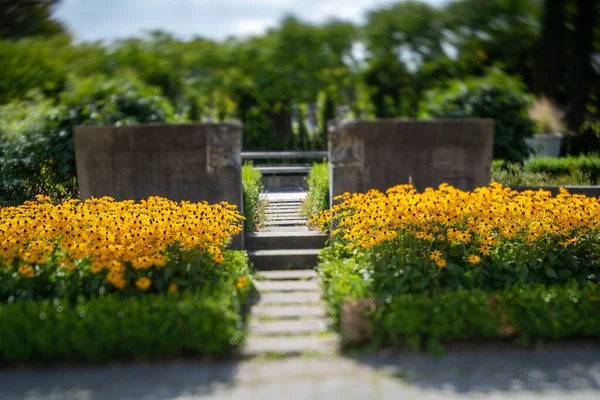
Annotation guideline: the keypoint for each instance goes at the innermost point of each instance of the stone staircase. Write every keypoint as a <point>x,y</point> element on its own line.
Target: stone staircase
<point>290,317</point>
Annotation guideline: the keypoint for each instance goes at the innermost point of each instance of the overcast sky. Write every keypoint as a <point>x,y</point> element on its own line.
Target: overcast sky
<point>215,19</point>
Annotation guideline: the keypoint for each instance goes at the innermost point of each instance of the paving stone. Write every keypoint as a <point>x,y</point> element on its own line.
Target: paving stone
<point>290,274</point>
<point>289,311</point>
<point>290,298</point>
<point>286,285</point>
<point>288,327</point>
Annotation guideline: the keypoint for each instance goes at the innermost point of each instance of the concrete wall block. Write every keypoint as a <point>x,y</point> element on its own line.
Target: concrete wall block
<point>193,162</point>
<point>380,154</point>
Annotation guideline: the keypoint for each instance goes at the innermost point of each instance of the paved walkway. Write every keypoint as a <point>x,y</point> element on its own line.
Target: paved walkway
<point>500,374</point>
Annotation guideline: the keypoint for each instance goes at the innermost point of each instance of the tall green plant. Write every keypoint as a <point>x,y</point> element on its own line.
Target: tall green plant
<point>254,206</point>
<point>317,198</point>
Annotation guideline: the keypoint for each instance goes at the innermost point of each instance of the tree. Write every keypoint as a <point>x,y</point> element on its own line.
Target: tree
<point>549,69</point>
<point>23,18</point>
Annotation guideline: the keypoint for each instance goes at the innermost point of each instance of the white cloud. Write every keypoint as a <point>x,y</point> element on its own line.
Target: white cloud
<point>255,26</point>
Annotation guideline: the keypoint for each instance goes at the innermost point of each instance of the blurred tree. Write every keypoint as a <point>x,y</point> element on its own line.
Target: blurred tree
<point>488,32</point>
<point>581,69</point>
<point>550,65</point>
<point>23,18</point>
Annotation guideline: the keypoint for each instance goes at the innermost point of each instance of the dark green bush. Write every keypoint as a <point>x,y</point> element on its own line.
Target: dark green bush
<point>36,153</point>
<point>496,96</point>
<point>317,198</point>
<point>254,206</point>
<point>528,313</point>
<point>207,322</point>
<point>588,166</point>
<point>29,130</point>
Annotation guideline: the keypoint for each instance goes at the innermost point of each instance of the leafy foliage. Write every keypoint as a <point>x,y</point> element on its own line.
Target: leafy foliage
<point>525,313</point>
<point>208,321</point>
<point>588,166</point>
<point>37,138</point>
<point>496,96</point>
<point>513,174</point>
<point>254,206</point>
<point>317,197</point>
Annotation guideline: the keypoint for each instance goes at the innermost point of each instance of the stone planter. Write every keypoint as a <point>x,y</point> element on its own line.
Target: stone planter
<point>545,145</point>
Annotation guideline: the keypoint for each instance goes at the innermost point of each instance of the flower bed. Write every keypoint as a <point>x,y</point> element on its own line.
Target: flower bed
<point>399,242</point>
<point>155,255</point>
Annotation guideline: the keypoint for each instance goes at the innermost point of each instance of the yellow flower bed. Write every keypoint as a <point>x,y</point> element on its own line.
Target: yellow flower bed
<point>488,236</point>
<point>479,219</point>
<point>109,239</point>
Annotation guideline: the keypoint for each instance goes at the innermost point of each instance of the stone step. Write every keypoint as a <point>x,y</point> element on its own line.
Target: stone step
<point>289,222</point>
<point>288,327</point>
<point>283,207</point>
<point>287,230</point>
<point>285,217</point>
<point>284,259</point>
<point>287,285</point>
<point>271,298</point>
<point>288,345</point>
<point>289,311</point>
<point>287,275</point>
<point>284,213</point>
<point>288,203</point>
<point>280,240</point>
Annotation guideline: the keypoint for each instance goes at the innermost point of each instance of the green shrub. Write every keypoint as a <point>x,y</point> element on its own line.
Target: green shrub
<point>528,313</point>
<point>32,63</point>
<point>37,152</point>
<point>588,166</point>
<point>207,322</point>
<point>496,96</point>
<point>254,206</point>
<point>29,130</point>
<point>342,279</point>
<point>514,174</point>
<point>317,198</point>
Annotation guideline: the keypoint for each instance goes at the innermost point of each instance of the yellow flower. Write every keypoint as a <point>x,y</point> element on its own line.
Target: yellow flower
<point>473,259</point>
<point>241,283</point>
<point>173,288</point>
<point>441,263</point>
<point>26,271</point>
<point>485,250</point>
<point>143,283</point>
<point>435,255</point>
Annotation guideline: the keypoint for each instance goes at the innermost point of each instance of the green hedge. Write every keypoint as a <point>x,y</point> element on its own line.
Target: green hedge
<point>254,207</point>
<point>317,198</point>
<point>207,322</point>
<point>527,313</point>
<point>588,166</point>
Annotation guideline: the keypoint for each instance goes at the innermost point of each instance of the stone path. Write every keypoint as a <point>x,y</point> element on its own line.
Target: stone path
<point>567,373</point>
<point>290,317</point>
